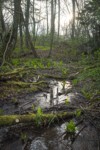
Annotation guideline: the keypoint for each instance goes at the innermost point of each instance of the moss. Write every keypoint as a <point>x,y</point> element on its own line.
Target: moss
<point>15,119</point>
<point>25,84</point>
<point>44,48</point>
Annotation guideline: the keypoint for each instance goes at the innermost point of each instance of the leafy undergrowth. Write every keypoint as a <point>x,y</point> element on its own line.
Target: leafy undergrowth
<point>84,73</point>
<point>43,48</point>
<point>28,75</point>
<point>88,79</point>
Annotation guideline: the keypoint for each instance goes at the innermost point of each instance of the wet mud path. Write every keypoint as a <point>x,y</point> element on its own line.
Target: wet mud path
<point>59,96</point>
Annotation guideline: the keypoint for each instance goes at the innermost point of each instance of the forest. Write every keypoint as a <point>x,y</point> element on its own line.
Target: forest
<point>50,74</point>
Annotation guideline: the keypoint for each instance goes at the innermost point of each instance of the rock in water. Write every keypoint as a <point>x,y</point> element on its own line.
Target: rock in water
<point>38,144</point>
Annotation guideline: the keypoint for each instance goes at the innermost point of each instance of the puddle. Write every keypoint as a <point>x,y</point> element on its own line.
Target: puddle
<point>55,95</point>
<point>51,138</point>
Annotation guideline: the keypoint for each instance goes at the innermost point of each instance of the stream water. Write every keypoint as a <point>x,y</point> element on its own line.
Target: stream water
<point>50,138</point>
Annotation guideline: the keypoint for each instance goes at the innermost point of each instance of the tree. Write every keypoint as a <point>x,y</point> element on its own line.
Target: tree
<point>89,17</point>
<point>58,17</point>
<point>27,21</point>
<point>47,16</point>
<point>9,38</point>
<point>29,40</point>
<point>52,26</point>
<point>73,21</point>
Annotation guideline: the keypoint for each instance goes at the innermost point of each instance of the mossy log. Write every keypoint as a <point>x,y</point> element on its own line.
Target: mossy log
<point>16,72</point>
<point>43,119</point>
<point>57,77</point>
<point>26,84</point>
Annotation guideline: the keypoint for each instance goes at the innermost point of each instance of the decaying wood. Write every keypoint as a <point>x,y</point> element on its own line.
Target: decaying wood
<point>44,118</point>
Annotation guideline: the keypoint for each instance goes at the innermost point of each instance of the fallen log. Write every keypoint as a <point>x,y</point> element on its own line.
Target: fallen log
<point>26,84</point>
<point>43,119</point>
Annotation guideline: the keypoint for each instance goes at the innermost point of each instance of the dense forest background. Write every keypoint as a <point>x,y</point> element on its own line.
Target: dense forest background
<point>27,24</point>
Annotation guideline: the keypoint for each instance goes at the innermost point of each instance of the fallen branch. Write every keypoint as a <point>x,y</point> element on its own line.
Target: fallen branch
<point>25,84</point>
<point>44,118</point>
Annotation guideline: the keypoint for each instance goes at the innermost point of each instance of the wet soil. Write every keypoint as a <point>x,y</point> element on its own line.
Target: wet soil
<point>28,138</point>
<point>51,99</point>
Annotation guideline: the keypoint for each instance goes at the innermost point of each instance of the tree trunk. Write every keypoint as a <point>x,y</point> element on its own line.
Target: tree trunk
<point>47,16</point>
<point>10,38</point>
<point>52,27</point>
<point>28,36</point>
<point>21,36</point>
<point>27,22</point>
<point>73,23</point>
<point>34,23</point>
<point>58,18</point>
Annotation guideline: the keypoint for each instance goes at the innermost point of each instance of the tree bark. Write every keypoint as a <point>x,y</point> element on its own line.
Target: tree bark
<point>27,22</point>
<point>58,18</point>
<point>73,23</point>
<point>47,16</point>
<point>10,38</point>
<point>52,27</point>
<point>28,36</point>
<point>34,23</point>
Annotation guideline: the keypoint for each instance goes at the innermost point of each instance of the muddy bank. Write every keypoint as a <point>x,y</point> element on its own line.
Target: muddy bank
<point>58,96</point>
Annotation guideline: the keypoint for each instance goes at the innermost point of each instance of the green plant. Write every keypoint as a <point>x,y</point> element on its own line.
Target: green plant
<point>64,71</point>
<point>75,81</point>
<point>38,118</point>
<point>78,113</point>
<point>86,93</point>
<point>67,101</point>
<point>23,136</point>
<point>70,127</point>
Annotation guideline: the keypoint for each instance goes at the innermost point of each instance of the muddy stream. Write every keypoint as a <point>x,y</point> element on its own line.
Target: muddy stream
<point>50,138</point>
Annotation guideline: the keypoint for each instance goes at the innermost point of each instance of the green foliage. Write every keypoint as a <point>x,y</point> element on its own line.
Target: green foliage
<point>16,62</point>
<point>5,68</point>
<point>64,71</point>
<point>70,127</point>
<point>44,48</point>
<point>92,72</point>
<point>38,118</point>
<point>97,54</point>
<point>86,94</point>
<point>78,113</point>
<point>23,136</point>
<point>75,81</point>
<point>67,101</point>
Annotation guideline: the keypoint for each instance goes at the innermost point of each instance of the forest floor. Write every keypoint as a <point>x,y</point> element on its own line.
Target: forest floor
<point>27,76</point>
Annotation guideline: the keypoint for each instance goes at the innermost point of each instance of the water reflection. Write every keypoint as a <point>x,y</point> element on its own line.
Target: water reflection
<point>56,95</point>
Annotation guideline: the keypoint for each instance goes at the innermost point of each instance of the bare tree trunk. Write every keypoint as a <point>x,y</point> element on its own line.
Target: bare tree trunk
<point>10,38</point>
<point>21,36</point>
<point>54,12</point>
<point>58,18</point>
<point>47,16</point>
<point>28,36</point>
<point>52,27</point>
<point>27,21</point>
<point>73,23</point>
<point>34,23</point>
